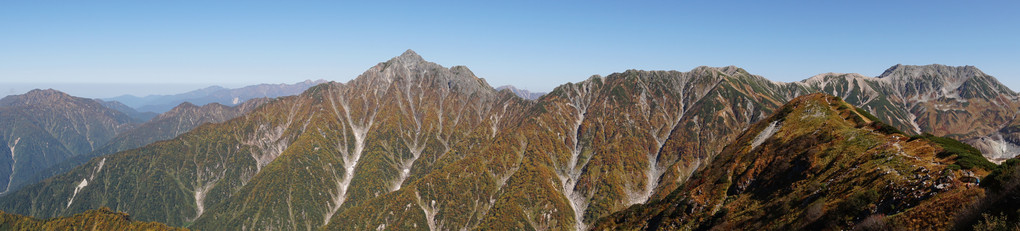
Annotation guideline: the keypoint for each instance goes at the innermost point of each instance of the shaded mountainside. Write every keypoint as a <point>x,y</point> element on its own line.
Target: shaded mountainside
<point>214,94</point>
<point>42,128</point>
<point>177,121</point>
<point>410,144</point>
<point>168,125</point>
<point>817,164</point>
<point>101,219</point>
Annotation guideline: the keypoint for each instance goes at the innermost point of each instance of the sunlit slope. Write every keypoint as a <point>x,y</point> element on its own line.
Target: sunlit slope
<point>817,163</point>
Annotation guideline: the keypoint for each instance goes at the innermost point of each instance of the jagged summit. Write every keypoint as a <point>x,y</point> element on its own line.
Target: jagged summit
<point>822,77</point>
<point>410,55</point>
<point>917,71</point>
<point>410,69</point>
<point>728,70</point>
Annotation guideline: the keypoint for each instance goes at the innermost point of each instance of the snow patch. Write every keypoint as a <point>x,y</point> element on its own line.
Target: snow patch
<point>236,100</point>
<point>766,133</point>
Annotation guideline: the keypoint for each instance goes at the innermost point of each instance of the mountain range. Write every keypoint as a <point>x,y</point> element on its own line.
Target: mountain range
<point>410,144</point>
<point>215,94</point>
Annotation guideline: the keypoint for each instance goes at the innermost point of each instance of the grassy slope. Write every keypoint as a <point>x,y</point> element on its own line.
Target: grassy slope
<point>101,219</point>
<point>825,168</point>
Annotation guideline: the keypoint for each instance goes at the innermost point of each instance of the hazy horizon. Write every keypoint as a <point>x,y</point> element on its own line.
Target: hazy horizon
<point>534,45</point>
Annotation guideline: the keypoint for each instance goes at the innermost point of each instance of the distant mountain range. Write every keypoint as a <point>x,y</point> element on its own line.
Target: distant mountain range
<point>410,144</point>
<point>214,94</point>
<point>521,92</point>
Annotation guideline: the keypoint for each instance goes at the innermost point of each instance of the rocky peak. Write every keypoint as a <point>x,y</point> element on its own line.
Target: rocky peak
<point>410,55</point>
<point>938,74</point>
<point>936,80</point>
<point>411,70</point>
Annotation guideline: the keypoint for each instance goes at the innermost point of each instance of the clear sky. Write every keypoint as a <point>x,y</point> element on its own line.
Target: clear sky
<point>536,45</point>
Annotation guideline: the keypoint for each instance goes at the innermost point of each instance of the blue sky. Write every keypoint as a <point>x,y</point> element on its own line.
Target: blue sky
<point>174,46</point>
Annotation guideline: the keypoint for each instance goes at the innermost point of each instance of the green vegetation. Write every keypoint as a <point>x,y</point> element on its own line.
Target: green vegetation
<point>1002,175</point>
<point>101,219</point>
<point>966,157</point>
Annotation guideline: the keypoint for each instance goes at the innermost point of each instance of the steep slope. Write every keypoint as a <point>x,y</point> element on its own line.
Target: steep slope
<point>45,127</point>
<point>214,94</point>
<point>816,164</point>
<point>584,150</point>
<point>395,123</point>
<point>101,219</point>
